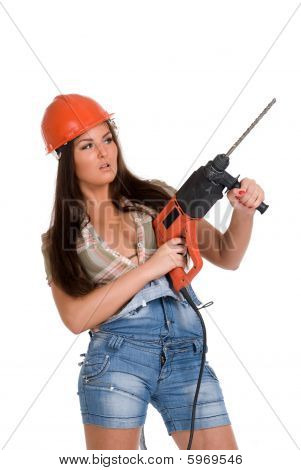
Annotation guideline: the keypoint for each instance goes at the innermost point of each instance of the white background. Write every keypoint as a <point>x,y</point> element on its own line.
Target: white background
<point>180,78</point>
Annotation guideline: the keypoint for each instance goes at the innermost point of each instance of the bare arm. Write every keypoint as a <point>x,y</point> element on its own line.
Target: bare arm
<point>85,312</point>
<point>235,240</point>
<point>225,250</point>
<point>210,242</point>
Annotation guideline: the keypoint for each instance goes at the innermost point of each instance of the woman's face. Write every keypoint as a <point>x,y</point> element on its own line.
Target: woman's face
<point>92,149</point>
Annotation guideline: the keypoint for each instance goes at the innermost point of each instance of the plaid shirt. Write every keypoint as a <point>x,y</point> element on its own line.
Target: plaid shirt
<point>103,264</point>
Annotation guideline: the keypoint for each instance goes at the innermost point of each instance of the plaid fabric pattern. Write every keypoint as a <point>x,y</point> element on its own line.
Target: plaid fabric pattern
<point>103,264</point>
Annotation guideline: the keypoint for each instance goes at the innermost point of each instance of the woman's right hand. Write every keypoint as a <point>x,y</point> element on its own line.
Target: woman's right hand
<point>168,256</point>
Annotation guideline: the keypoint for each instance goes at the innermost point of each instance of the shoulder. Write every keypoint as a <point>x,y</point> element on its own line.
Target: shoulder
<point>47,264</point>
<point>147,211</point>
<point>169,189</point>
<point>45,241</point>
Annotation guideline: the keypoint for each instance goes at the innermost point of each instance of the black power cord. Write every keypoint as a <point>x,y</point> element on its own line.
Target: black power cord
<point>196,309</point>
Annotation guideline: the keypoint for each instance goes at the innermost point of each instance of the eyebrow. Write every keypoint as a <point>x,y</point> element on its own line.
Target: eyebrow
<point>91,140</point>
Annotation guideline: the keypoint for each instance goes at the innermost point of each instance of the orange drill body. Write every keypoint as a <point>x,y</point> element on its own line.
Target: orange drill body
<point>172,222</point>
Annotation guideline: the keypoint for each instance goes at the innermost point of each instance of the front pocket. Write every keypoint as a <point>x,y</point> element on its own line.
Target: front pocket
<point>95,366</point>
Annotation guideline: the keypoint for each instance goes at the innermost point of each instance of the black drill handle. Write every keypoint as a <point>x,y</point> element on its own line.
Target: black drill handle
<point>262,206</point>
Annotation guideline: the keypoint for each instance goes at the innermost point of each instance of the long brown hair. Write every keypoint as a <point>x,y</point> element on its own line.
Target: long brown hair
<point>68,214</point>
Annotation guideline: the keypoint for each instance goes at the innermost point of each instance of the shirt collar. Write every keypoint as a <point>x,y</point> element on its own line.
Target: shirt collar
<point>125,202</point>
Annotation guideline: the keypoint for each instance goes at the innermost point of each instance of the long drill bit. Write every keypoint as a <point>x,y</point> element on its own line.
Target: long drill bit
<point>251,126</point>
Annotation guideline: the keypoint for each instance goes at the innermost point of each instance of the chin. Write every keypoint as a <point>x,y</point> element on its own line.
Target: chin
<point>108,178</point>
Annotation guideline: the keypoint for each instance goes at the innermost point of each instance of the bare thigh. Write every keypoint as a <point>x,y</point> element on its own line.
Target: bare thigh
<point>100,438</point>
<point>219,437</point>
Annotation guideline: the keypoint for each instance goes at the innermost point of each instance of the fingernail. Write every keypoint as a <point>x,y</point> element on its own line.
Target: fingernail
<point>242,191</point>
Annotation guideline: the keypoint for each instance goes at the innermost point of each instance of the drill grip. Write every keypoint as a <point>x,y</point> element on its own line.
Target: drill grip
<point>262,206</point>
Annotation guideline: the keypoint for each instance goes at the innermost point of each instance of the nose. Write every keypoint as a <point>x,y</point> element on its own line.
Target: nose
<point>101,150</point>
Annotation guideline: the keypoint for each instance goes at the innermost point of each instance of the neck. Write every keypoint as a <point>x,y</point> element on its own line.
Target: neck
<point>102,210</point>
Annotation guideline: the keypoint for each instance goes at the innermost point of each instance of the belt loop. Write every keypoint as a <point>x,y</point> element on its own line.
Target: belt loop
<point>116,341</point>
<point>198,345</point>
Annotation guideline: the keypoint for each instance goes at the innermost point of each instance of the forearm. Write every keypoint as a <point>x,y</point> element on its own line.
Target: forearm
<point>235,240</point>
<point>100,304</point>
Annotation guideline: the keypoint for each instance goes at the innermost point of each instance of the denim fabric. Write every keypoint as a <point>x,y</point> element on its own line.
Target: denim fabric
<point>150,354</point>
<point>152,290</point>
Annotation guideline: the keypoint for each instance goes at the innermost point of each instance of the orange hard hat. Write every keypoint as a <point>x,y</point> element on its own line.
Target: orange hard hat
<point>67,117</point>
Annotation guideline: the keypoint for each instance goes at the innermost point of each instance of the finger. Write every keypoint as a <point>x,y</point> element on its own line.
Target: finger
<point>258,200</point>
<point>248,199</point>
<point>251,201</point>
<point>180,249</point>
<point>247,185</point>
<point>245,198</point>
<point>238,193</point>
<point>181,260</point>
<point>253,192</point>
<point>177,240</point>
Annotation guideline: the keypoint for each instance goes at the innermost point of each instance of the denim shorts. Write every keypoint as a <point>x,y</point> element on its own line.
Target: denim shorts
<point>150,355</point>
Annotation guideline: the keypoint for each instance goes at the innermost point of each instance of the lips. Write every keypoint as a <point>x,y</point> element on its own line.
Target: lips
<point>104,165</point>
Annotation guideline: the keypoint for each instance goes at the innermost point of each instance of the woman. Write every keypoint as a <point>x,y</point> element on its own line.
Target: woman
<point>108,276</point>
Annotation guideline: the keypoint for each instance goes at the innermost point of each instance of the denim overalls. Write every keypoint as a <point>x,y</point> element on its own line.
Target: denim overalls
<point>154,289</point>
<point>150,352</point>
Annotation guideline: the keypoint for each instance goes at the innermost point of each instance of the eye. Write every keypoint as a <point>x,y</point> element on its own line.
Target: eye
<point>85,146</point>
<point>109,140</point>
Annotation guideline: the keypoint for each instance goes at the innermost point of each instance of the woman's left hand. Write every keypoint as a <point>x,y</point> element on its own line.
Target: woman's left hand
<point>246,198</point>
